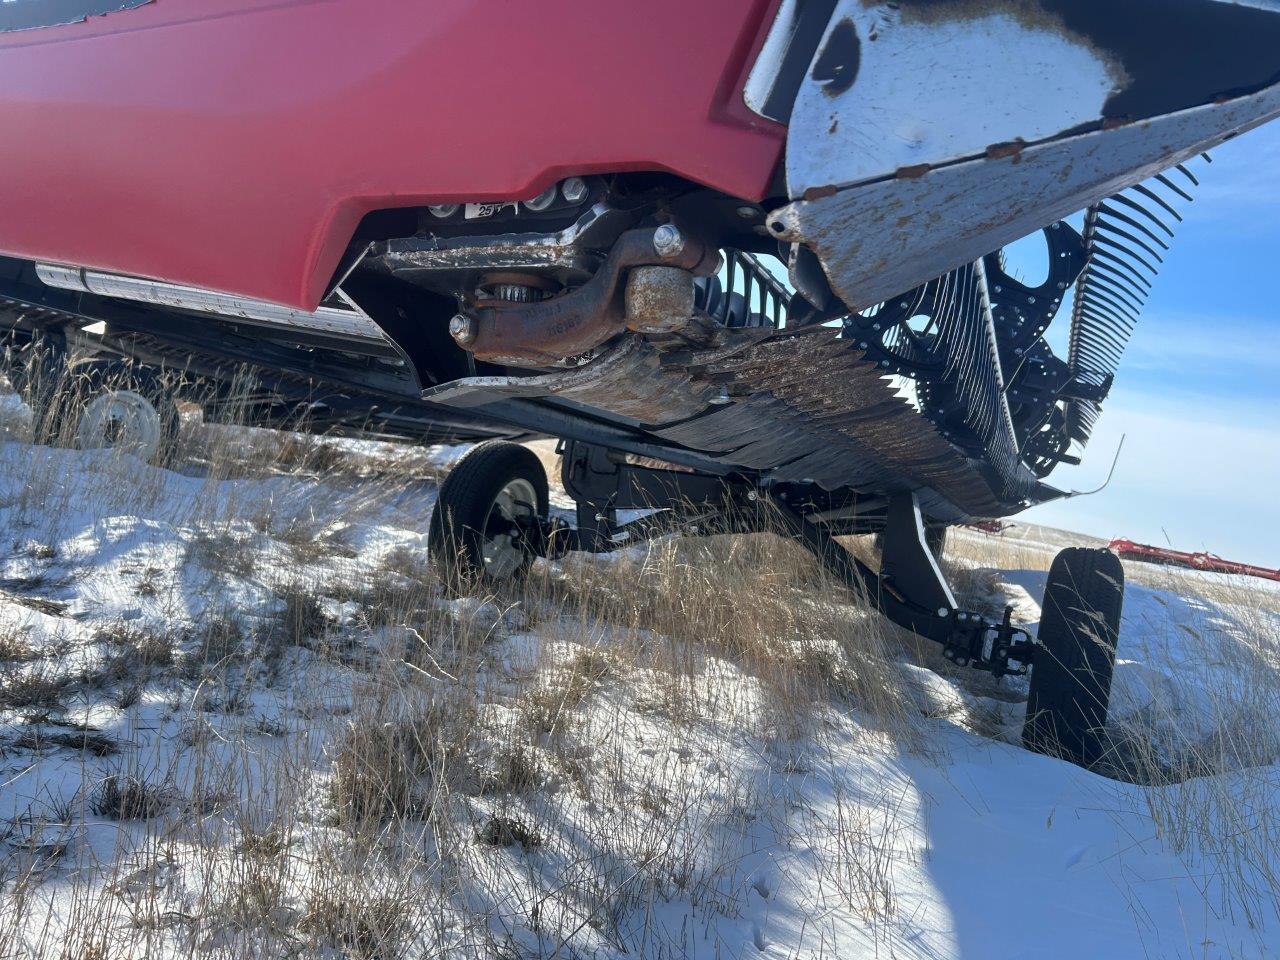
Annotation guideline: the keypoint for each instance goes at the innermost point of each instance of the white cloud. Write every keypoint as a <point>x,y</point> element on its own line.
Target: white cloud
<point>1200,475</point>
<point>1243,181</point>
<point>1208,346</point>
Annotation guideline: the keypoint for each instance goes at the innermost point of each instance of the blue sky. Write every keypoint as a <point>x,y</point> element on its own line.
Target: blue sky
<point>1198,394</point>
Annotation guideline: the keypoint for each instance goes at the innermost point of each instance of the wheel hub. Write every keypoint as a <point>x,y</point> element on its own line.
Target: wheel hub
<point>505,545</point>
<point>120,420</point>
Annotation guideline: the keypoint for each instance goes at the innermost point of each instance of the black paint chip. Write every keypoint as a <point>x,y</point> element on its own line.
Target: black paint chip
<point>837,65</point>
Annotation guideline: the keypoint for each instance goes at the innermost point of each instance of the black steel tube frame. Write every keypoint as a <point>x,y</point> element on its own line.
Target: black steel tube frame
<point>911,591</point>
<point>910,588</point>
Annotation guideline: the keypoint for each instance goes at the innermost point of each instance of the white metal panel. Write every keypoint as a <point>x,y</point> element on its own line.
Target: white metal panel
<point>769,60</point>
<point>881,238</point>
<point>930,89</point>
<point>349,321</point>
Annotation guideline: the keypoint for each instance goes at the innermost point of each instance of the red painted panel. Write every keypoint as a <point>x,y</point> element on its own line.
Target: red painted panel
<point>235,144</point>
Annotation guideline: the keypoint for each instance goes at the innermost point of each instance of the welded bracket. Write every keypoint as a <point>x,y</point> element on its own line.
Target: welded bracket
<point>907,565</point>
<point>603,481</point>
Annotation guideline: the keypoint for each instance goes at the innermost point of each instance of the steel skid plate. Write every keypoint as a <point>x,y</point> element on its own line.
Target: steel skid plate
<point>791,407</point>
<point>925,134</point>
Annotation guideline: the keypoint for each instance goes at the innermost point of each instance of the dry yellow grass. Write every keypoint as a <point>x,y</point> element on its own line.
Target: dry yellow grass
<point>430,776</point>
<point>415,755</point>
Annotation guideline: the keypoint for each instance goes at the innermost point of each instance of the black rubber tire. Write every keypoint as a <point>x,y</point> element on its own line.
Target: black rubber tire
<point>1071,678</point>
<point>57,415</point>
<point>455,538</point>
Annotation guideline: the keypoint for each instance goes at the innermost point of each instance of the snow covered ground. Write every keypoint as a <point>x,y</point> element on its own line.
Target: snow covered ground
<point>238,718</point>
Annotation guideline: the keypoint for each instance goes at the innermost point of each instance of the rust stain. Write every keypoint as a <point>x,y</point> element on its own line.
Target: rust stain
<point>819,193</point>
<point>1010,148</point>
<point>1030,14</point>
<point>659,299</point>
<point>914,172</point>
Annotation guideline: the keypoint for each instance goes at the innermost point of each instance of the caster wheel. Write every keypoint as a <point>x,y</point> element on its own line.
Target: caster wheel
<point>110,404</point>
<point>1071,677</point>
<point>485,525</point>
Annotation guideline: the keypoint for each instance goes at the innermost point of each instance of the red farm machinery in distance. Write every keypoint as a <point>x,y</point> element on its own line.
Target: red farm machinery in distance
<point>1129,550</point>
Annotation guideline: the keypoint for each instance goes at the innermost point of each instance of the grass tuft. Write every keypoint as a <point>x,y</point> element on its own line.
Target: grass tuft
<point>120,796</point>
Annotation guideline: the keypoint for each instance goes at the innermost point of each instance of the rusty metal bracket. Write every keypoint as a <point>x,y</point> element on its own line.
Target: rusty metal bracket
<point>545,331</point>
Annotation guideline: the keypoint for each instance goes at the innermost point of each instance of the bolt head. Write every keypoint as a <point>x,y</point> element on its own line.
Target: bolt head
<point>748,212</point>
<point>543,200</point>
<point>443,210</point>
<point>943,611</point>
<point>574,189</point>
<point>463,329</point>
<point>667,240</point>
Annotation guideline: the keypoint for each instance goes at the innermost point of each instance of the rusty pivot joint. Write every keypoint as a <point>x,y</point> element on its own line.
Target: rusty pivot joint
<point>645,284</point>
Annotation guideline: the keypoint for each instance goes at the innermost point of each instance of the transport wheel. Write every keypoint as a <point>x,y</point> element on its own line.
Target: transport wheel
<point>484,525</point>
<point>104,403</point>
<point>1071,678</point>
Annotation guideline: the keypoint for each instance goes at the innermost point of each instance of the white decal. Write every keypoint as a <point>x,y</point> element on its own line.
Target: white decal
<point>477,211</point>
